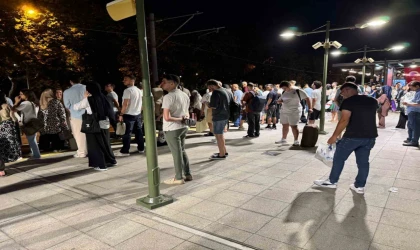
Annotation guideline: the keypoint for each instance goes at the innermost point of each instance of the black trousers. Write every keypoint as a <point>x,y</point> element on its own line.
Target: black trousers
<point>50,142</point>
<point>253,124</point>
<point>402,122</point>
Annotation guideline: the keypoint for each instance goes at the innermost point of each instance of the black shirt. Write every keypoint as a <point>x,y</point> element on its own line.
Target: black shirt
<point>273,96</point>
<point>362,122</point>
<point>220,101</point>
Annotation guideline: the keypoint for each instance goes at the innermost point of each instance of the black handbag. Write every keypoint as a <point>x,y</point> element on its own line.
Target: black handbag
<point>65,135</point>
<point>32,126</point>
<point>90,124</point>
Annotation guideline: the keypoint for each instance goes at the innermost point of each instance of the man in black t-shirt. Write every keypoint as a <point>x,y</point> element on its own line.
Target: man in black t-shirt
<point>271,107</point>
<point>219,103</point>
<point>358,117</point>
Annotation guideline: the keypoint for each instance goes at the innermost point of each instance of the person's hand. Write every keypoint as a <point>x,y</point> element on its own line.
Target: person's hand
<point>310,110</point>
<point>332,140</point>
<point>266,107</point>
<point>86,94</point>
<point>120,118</point>
<point>405,103</point>
<point>17,99</point>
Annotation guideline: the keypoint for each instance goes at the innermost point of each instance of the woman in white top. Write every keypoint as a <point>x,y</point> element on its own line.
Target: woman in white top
<point>100,153</point>
<point>27,104</point>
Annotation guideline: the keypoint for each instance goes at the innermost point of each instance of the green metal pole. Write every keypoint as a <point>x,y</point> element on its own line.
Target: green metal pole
<point>154,199</point>
<point>364,66</point>
<point>324,80</point>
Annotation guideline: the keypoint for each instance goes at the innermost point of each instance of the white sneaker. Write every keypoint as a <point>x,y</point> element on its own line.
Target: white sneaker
<point>100,169</point>
<point>119,154</point>
<point>241,128</point>
<point>325,184</point>
<point>141,151</point>
<point>282,141</point>
<point>214,140</point>
<point>359,190</point>
<point>173,181</point>
<point>79,156</point>
<point>296,143</point>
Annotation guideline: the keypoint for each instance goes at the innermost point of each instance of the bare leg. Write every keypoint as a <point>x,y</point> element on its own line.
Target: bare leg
<point>295,132</point>
<point>285,130</point>
<point>211,127</point>
<point>221,144</point>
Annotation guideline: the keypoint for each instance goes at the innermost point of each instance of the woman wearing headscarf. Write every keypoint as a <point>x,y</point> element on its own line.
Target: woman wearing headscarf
<point>9,144</point>
<point>100,153</point>
<point>383,108</point>
<point>53,114</point>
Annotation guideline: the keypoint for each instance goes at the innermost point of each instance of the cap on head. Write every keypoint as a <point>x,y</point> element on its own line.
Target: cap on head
<point>349,85</point>
<point>351,79</point>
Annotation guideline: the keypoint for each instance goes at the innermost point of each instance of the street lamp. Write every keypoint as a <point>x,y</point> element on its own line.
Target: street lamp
<point>327,45</point>
<point>364,59</point>
<point>29,11</point>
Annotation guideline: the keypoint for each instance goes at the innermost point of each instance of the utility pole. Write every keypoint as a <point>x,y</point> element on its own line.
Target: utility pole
<point>155,74</point>
<point>324,79</point>
<point>364,65</point>
<point>154,199</point>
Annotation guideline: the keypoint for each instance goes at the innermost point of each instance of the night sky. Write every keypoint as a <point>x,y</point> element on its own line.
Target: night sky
<point>261,22</point>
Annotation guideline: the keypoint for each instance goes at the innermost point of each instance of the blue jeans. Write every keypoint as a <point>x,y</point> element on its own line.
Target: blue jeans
<point>414,127</point>
<point>236,123</point>
<point>133,123</point>
<point>346,146</point>
<point>33,145</point>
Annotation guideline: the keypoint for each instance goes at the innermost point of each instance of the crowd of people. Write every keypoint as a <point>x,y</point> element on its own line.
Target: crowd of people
<point>84,113</point>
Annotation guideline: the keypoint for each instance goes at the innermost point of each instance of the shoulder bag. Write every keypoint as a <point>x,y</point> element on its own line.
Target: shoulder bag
<point>90,124</point>
<point>33,125</point>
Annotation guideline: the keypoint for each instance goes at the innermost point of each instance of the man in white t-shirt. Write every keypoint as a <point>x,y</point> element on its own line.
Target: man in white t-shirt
<point>291,110</point>
<point>175,111</point>
<point>316,101</point>
<point>131,115</point>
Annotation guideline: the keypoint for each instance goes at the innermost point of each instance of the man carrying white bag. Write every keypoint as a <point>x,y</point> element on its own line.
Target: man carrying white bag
<point>359,120</point>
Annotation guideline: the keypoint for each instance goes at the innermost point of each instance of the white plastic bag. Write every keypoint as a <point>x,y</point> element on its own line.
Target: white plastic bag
<point>325,153</point>
<point>120,128</point>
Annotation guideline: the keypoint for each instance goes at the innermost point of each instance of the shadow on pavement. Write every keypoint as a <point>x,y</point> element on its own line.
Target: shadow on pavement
<point>317,223</point>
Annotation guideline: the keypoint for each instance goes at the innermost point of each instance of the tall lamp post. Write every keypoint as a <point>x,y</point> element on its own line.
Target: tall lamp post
<point>364,59</point>
<point>327,45</point>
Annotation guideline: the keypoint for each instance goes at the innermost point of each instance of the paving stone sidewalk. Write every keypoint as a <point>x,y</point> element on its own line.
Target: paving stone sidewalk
<point>261,197</point>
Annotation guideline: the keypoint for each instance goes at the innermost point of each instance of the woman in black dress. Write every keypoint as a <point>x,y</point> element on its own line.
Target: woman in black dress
<point>100,153</point>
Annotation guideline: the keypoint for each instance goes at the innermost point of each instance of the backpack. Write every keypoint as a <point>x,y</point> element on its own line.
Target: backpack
<point>257,103</point>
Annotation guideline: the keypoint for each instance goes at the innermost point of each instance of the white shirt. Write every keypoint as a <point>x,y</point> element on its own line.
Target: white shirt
<point>133,94</point>
<point>205,100</point>
<point>178,103</point>
<point>291,102</point>
<point>83,104</point>
<point>265,93</point>
<point>316,94</point>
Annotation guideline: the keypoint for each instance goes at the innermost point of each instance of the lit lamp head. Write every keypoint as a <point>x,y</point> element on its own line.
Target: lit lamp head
<point>291,32</point>
<point>377,22</point>
<point>413,65</point>
<point>358,60</point>
<point>337,53</point>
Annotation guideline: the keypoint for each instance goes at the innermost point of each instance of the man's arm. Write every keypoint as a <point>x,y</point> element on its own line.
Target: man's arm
<point>268,103</point>
<point>308,101</point>
<point>116,104</point>
<point>124,107</point>
<point>342,124</point>
<point>66,100</point>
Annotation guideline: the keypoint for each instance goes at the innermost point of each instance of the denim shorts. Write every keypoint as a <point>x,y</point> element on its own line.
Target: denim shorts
<point>219,127</point>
